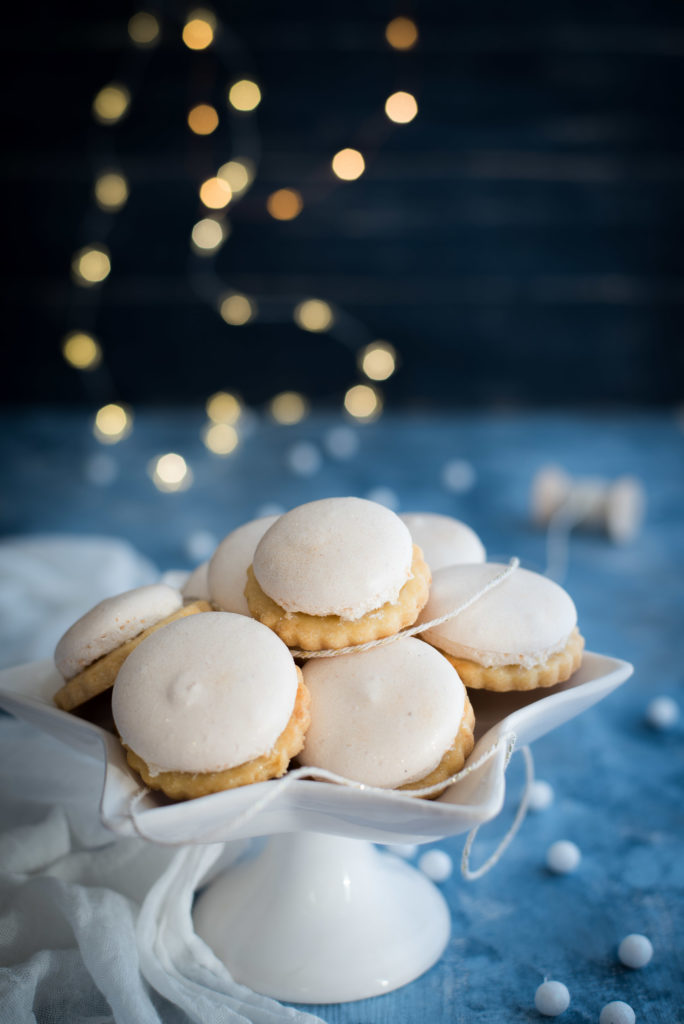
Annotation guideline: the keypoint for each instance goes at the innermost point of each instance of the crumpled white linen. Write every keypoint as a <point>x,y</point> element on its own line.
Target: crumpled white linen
<point>95,928</point>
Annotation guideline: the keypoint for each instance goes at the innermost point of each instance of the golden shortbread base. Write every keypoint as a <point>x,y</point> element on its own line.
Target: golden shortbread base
<point>100,675</point>
<point>189,785</point>
<point>330,632</point>
<point>455,757</point>
<point>502,678</point>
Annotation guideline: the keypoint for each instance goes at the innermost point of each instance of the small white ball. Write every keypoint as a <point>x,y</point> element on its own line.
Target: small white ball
<point>541,795</point>
<point>436,864</point>
<point>405,850</point>
<point>304,458</point>
<point>563,857</point>
<point>384,496</point>
<point>617,1013</point>
<point>200,545</point>
<point>662,712</point>
<point>635,951</point>
<point>341,442</point>
<point>458,476</point>
<point>552,998</point>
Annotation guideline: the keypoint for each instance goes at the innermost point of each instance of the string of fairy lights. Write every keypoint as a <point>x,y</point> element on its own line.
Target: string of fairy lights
<point>91,265</point>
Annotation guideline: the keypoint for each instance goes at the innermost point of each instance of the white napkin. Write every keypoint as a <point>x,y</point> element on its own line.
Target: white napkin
<point>93,928</point>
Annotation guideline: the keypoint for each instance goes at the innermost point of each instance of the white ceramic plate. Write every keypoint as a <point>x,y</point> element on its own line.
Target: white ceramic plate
<point>295,804</point>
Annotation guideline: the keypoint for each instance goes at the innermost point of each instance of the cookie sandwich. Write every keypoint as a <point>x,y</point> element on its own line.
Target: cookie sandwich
<point>227,571</point>
<point>443,539</point>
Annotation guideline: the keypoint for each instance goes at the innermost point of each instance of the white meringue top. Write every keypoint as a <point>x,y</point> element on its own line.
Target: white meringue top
<point>196,586</point>
<point>205,693</point>
<point>522,621</point>
<point>444,540</point>
<point>338,556</point>
<point>229,564</point>
<point>384,717</point>
<point>111,623</point>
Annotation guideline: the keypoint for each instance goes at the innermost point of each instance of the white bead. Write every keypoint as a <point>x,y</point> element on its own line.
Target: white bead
<point>436,864</point>
<point>200,545</point>
<point>563,857</point>
<point>541,795</point>
<point>635,951</point>
<point>304,458</point>
<point>384,496</point>
<point>662,712</point>
<point>458,476</point>
<point>552,998</point>
<point>617,1013</point>
<point>341,442</point>
<point>405,850</point>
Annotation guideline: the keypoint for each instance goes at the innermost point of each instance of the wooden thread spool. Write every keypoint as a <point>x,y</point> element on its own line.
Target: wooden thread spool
<point>615,506</point>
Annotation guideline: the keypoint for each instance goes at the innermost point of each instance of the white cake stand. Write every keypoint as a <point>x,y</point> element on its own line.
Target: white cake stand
<point>321,915</point>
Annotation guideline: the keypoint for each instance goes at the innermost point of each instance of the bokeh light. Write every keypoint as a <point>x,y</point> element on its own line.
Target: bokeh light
<point>143,29</point>
<point>244,95</point>
<point>314,315</point>
<point>378,360</point>
<point>284,204</point>
<point>237,309</point>
<point>91,265</point>
<point>348,164</point>
<point>111,191</point>
<point>198,31</point>
<point>401,107</point>
<point>363,402</point>
<point>215,193</point>
<point>401,33</point>
<point>170,472</point>
<point>111,103</point>
<point>238,173</point>
<point>208,235</point>
<point>220,438</point>
<point>223,407</point>
<point>289,407</point>
<point>82,351</point>
<point>113,423</point>
<point>203,119</point>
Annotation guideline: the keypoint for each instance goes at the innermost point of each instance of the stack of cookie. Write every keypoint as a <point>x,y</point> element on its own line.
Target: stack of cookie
<point>207,688</point>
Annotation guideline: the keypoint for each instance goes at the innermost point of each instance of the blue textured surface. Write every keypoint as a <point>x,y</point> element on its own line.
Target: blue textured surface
<point>618,784</point>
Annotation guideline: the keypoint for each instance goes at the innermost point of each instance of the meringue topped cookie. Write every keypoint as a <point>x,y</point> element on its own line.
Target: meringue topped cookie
<point>396,716</point>
<point>209,703</point>
<point>229,564</point>
<point>336,572</point>
<point>92,650</point>
<point>196,586</point>
<point>520,635</point>
<point>444,540</point>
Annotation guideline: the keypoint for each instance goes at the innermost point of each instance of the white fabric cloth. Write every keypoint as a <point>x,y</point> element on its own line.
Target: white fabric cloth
<point>94,928</point>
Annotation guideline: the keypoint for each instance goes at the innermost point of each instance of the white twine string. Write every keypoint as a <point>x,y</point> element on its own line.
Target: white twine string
<point>411,631</point>
<point>469,875</point>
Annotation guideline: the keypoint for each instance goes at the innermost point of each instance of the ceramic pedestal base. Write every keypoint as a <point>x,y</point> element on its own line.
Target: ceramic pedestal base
<point>321,919</point>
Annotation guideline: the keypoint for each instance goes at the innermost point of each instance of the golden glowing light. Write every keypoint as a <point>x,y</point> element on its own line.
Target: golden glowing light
<point>238,174</point>
<point>314,315</point>
<point>215,193</point>
<point>348,164</point>
<point>198,31</point>
<point>170,472</point>
<point>113,423</point>
<point>401,33</point>
<point>91,265</point>
<point>224,407</point>
<point>81,351</point>
<point>203,119</point>
<point>401,107</point>
<point>143,28</point>
<point>285,204</point>
<point>111,103</point>
<point>363,402</point>
<point>289,407</point>
<point>244,95</point>
<point>111,191</point>
<point>378,360</point>
<point>220,438</point>
<point>207,235</point>
<point>237,309</point>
